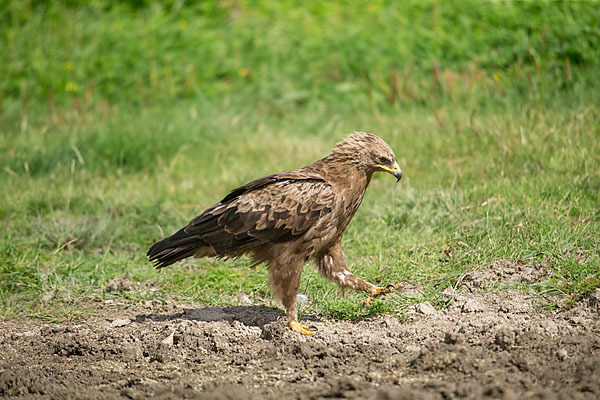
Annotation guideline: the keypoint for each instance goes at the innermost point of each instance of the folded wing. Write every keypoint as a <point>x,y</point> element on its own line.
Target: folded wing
<point>274,209</point>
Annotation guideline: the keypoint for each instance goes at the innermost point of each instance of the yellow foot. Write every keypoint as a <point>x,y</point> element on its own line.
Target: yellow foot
<point>298,327</point>
<point>379,291</point>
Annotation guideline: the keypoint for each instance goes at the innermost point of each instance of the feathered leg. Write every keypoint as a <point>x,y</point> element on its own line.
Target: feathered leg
<point>332,265</point>
<point>285,281</point>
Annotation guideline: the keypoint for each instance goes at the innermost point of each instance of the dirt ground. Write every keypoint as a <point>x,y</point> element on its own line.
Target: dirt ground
<point>485,344</point>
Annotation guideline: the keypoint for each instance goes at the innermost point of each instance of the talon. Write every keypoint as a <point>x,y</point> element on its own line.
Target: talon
<point>398,285</point>
<point>298,327</point>
<point>378,291</point>
<point>375,292</point>
<point>366,303</point>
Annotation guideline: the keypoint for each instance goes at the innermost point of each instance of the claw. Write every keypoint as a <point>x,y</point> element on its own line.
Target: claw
<point>378,291</point>
<point>298,327</point>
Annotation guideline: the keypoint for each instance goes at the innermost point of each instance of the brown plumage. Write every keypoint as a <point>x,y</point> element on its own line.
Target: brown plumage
<point>289,218</point>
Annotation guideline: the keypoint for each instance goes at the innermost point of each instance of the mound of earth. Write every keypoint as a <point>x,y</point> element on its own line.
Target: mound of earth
<point>486,343</point>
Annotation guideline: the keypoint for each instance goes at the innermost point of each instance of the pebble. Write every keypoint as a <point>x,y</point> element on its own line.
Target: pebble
<point>120,322</point>
<point>425,308</point>
<point>244,299</point>
<point>168,341</point>
<point>450,293</point>
<point>562,354</point>
<point>301,298</point>
<point>412,348</point>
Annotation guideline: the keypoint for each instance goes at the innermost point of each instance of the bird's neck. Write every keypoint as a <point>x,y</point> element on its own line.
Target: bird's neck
<point>343,175</point>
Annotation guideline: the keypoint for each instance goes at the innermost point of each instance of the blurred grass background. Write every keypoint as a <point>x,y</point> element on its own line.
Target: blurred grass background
<point>120,121</point>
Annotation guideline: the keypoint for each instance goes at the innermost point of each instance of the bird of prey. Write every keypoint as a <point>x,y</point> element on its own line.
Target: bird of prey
<point>288,219</point>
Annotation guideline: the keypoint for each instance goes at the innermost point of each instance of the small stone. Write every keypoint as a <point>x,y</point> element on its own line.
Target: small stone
<point>244,299</point>
<point>412,348</point>
<point>425,308</point>
<point>449,293</point>
<point>577,320</point>
<point>301,298</point>
<point>168,341</point>
<point>374,377</point>
<point>562,354</point>
<point>117,323</point>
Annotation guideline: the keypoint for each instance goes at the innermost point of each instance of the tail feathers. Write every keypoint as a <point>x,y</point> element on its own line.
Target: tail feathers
<point>174,248</point>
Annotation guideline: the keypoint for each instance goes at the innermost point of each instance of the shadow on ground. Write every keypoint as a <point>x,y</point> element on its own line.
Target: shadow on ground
<point>257,316</point>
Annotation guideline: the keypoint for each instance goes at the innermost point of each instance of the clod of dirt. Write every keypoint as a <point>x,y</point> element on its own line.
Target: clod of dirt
<point>505,338</point>
<point>436,358</point>
<point>515,305</point>
<point>454,338</point>
<point>274,331</point>
<point>425,308</point>
<point>132,352</point>
<point>594,300</point>
<point>449,293</point>
<point>347,384</point>
<point>472,305</point>
<point>120,322</point>
<point>562,354</point>
<point>500,392</point>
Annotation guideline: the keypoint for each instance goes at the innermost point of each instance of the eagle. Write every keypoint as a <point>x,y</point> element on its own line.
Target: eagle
<point>288,219</point>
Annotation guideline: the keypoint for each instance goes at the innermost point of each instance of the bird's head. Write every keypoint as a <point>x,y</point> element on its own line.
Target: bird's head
<point>370,153</point>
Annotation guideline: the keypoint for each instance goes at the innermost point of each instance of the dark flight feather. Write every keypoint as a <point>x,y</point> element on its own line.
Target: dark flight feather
<point>273,209</point>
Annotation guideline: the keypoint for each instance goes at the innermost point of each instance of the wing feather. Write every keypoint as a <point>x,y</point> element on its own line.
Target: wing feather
<point>272,209</point>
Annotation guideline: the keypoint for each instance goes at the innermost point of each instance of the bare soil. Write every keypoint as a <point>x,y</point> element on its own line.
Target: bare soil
<point>486,344</point>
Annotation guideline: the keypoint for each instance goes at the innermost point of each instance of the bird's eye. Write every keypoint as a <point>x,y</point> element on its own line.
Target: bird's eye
<point>383,160</point>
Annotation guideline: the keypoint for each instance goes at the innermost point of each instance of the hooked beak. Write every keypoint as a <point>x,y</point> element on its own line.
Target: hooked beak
<point>396,171</point>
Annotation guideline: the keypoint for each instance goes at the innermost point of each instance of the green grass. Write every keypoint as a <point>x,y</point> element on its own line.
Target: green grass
<point>169,108</point>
